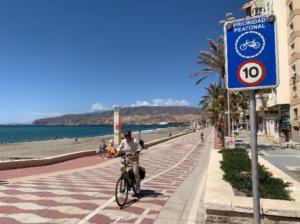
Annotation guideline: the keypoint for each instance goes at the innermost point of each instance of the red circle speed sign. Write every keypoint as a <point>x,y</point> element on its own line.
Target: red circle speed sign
<point>251,72</point>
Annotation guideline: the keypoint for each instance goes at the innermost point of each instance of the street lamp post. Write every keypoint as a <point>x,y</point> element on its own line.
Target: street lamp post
<point>229,16</point>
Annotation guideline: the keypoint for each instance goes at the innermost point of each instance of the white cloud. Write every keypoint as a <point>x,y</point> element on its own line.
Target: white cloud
<point>161,102</point>
<point>115,105</point>
<point>97,107</point>
<point>140,103</point>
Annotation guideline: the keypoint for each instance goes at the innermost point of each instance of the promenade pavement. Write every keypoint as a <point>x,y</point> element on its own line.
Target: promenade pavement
<point>82,191</point>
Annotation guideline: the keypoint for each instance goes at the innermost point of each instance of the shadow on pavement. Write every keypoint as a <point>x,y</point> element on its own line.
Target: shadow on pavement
<point>130,203</point>
<point>260,147</point>
<point>3,182</point>
<point>267,147</point>
<point>149,193</point>
<point>143,194</point>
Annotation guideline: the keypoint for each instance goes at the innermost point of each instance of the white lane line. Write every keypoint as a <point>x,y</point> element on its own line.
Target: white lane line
<point>96,211</point>
<point>141,218</point>
<point>172,167</point>
<point>293,168</point>
<point>117,220</point>
<point>86,219</point>
<point>270,155</point>
<point>296,156</point>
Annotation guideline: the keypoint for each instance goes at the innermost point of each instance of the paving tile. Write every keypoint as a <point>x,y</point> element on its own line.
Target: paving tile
<point>9,221</point>
<point>71,196</point>
<point>97,219</point>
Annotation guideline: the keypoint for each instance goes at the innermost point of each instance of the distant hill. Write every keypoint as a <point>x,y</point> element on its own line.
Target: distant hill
<point>141,115</point>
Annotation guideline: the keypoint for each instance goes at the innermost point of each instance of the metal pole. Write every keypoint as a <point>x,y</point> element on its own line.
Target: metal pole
<point>254,158</point>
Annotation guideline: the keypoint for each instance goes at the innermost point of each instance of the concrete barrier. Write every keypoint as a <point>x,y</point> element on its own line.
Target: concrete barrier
<point>24,163</point>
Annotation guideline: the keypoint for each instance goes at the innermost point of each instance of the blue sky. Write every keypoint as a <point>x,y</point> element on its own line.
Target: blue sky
<point>77,56</point>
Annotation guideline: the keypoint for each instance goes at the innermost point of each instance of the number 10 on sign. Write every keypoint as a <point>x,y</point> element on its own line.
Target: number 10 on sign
<point>251,72</point>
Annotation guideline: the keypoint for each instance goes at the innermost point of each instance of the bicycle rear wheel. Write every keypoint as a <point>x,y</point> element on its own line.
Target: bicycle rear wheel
<point>121,191</point>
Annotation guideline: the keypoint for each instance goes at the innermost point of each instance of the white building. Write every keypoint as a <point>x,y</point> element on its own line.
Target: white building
<point>273,105</point>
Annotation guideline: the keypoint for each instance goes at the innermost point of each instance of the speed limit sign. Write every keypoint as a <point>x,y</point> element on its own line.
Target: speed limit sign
<point>251,53</point>
<point>251,72</point>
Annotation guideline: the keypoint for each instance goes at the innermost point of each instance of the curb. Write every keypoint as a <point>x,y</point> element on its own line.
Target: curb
<point>25,163</point>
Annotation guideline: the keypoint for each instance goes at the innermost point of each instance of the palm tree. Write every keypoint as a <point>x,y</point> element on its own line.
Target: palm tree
<point>213,62</point>
<point>213,103</point>
<point>239,102</point>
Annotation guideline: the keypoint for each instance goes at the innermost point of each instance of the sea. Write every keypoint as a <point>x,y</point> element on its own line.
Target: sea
<point>26,133</point>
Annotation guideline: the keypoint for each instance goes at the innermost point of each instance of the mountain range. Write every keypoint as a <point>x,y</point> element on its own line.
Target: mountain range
<point>129,115</point>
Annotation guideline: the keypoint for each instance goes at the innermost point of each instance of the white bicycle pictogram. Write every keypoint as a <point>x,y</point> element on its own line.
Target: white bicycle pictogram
<point>251,44</point>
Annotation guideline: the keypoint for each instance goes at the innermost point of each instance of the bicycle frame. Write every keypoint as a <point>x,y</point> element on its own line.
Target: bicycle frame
<point>128,184</point>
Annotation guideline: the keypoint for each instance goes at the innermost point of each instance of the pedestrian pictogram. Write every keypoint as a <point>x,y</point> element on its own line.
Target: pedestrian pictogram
<point>250,47</point>
<point>251,72</point>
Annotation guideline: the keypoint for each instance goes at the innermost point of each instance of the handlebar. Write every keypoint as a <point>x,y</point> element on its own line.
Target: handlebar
<point>126,154</point>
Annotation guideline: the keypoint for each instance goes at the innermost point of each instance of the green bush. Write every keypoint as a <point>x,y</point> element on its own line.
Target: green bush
<point>236,161</point>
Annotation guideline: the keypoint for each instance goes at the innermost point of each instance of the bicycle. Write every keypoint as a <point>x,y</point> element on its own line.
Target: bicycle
<point>250,44</point>
<point>124,184</point>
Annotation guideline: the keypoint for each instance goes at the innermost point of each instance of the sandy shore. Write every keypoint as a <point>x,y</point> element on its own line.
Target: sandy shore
<point>41,149</point>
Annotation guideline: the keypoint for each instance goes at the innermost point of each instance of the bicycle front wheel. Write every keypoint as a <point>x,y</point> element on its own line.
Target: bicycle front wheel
<point>121,192</point>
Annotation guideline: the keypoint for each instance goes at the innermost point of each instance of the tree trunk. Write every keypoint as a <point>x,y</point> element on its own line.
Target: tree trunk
<point>264,105</point>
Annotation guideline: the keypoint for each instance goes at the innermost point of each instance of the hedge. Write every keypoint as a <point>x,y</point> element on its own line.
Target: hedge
<point>236,161</point>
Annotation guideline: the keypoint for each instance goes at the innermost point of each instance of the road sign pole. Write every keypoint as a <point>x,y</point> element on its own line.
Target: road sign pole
<point>251,63</point>
<point>254,158</point>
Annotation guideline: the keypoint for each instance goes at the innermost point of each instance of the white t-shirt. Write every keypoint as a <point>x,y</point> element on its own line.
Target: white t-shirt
<point>131,146</point>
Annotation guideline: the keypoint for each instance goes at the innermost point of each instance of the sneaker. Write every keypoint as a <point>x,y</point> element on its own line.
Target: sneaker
<point>137,190</point>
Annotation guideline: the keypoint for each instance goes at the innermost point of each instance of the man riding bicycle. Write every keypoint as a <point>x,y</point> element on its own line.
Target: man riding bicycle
<point>132,148</point>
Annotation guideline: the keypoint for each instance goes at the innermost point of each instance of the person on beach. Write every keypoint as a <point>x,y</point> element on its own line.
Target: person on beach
<point>111,149</point>
<point>102,150</point>
<point>132,148</point>
<point>141,141</point>
<point>76,140</point>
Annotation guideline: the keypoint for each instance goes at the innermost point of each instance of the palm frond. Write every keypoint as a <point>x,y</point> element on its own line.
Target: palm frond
<point>197,74</point>
<point>200,80</point>
<point>213,45</point>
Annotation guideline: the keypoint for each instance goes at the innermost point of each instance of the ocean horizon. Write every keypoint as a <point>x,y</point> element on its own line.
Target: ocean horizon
<point>15,133</point>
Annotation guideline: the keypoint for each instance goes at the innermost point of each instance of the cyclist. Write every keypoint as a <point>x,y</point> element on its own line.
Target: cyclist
<point>202,136</point>
<point>132,148</point>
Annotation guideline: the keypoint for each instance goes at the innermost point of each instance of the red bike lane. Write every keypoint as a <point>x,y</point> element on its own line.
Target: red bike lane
<point>86,195</point>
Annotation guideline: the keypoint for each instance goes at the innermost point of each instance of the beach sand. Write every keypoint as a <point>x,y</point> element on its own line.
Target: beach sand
<point>42,149</point>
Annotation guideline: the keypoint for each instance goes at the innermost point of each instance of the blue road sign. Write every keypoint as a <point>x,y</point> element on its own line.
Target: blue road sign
<point>250,53</point>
